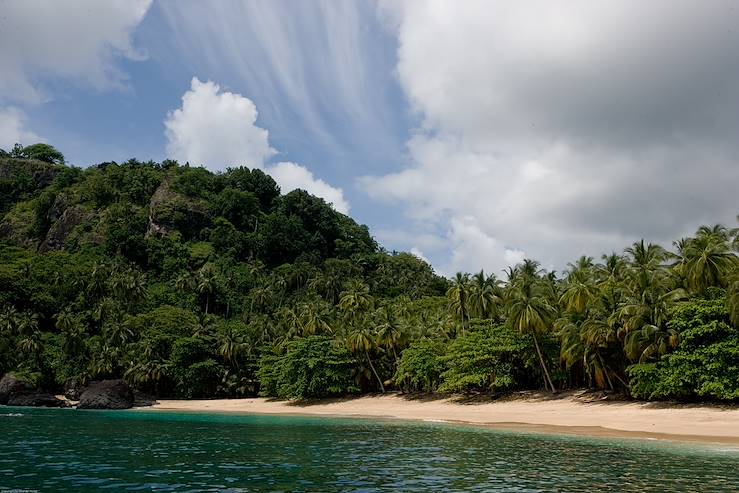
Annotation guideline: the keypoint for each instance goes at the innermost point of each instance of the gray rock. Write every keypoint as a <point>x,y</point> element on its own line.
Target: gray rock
<point>106,394</point>
<point>35,399</point>
<point>10,385</point>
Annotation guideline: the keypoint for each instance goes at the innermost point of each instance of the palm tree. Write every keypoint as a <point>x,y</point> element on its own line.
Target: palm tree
<point>259,297</point>
<point>707,259</point>
<point>361,339</point>
<point>232,345</point>
<point>459,294</point>
<point>207,283</point>
<point>389,331</point>
<point>644,313</point>
<point>484,295</point>
<point>184,283</point>
<point>646,257</point>
<point>530,312</point>
<point>356,299</point>
<point>315,318</point>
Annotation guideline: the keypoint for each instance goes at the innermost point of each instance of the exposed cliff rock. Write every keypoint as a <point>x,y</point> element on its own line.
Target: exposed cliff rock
<point>171,211</point>
<point>61,229</point>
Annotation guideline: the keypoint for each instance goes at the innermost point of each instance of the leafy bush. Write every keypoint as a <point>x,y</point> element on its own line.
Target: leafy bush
<point>312,367</point>
<point>705,364</point>
<point>421,366</point>
<point>487,359</point>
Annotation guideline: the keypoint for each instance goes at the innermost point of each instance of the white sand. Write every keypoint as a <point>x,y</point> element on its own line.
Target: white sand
<point>566,414</point>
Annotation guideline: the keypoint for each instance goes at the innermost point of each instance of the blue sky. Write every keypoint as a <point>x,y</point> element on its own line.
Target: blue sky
<point>472,134</point>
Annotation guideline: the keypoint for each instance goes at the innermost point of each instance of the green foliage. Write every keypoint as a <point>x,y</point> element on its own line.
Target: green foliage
<point>705,364</point>
<point>43,152</point>
<point>187,283</point>
<point>421,366</point>
<point>311,367</point>
<point>487,359</point>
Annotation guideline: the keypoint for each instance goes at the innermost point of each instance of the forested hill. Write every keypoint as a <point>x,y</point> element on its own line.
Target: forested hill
<point>194,284</point>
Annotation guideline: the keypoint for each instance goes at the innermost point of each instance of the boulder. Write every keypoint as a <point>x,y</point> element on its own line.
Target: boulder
<point>106,394</point>
<point>143,400</point>
<point>35,399</point>
<point>72,389</point>
<point>10,385</point>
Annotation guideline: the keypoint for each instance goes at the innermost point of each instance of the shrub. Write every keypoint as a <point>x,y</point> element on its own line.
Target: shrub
<point>421,366</point>
<point>312,367</point>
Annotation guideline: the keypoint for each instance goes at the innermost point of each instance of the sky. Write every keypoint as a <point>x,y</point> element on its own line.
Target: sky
<point>473,134</point>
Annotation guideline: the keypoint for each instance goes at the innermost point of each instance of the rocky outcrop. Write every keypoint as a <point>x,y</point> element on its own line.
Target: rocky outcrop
<point>171,211</point>
<point>11,385</point>
<point>106,394</point>
<point>143,400</point>
<point>35,399</point>
<point>72,389</point>
<point>60,230</point>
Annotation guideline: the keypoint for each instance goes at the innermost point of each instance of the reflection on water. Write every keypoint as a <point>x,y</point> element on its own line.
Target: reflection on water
<point>68,450</point>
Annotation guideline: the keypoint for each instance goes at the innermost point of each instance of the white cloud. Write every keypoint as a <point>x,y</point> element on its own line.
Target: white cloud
<point>472,249</point>
<point>291,176</point>
<point>418,253</point>
<point>546,130</point>
<point>13,129</point>
<point>217,129</point>
<point>76,40</point>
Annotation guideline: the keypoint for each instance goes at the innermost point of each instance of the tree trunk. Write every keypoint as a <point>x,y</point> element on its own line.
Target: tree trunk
<point>605,370</point>
<point>372,367</point>
<point>207,300</point>
<point>543,365</point>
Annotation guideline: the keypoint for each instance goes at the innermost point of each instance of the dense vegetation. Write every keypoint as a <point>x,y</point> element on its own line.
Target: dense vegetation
<point>188,283</point>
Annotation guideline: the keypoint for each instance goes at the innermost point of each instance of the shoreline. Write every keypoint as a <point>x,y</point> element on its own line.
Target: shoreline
<point>566,414</point>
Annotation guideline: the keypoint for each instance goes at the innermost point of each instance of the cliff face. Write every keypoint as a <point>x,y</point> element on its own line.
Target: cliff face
<point>171,211</point>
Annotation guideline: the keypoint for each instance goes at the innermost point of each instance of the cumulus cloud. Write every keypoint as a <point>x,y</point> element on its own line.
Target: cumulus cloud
<point>13,129</point>
<point>77,40</point>
<point>218,129</point>
<point>291,176</point>
<point>553,131</point>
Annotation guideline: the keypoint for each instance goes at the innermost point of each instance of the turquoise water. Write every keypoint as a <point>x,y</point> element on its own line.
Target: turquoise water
<point>69,450</point>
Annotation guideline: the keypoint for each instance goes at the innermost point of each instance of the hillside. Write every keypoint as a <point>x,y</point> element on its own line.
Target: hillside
<point>187,283</point>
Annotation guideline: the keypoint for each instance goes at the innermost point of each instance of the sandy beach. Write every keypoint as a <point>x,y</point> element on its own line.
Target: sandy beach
<point>565,414</point>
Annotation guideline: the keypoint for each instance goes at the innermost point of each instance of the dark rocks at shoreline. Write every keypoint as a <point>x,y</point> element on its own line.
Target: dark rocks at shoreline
<point>35,399</point>
<point>107,394</point>
<point>72,390</point>
<point>10,385</point>
<point>143,400</point>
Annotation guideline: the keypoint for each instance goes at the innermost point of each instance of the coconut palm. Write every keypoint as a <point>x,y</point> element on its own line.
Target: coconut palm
<point>207,283</point>
<point>531,312</point>
<point>484,295</point>
<point>459,295</point>
<point>356,299</point>
<point>707,259</point>
<point>233,345</point>
<point>315,318</point>
<point>361,339</point>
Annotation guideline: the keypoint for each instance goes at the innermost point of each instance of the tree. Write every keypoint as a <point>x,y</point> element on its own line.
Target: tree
<point>484,295</point>
<point>361,339</point>
<point>43,152</point>
<point>530,312</point>
<point>707,259</point>
<point>459,294</point>
<point>207,283</point>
